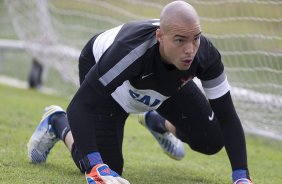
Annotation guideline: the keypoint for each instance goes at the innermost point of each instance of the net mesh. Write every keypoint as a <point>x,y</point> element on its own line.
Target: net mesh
<point>247,33</point>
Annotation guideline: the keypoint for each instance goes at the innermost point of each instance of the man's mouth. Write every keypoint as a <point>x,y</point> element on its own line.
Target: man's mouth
<point>187,62</point>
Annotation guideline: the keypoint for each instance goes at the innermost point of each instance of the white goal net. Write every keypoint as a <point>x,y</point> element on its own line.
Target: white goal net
<point>248,34</point>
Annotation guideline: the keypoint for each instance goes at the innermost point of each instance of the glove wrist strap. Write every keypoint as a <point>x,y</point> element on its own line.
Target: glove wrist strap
<point>90,160</point>
<point>240,173</point>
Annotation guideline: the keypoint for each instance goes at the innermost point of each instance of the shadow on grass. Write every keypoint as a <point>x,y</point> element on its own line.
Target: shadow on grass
<point>159,174</point>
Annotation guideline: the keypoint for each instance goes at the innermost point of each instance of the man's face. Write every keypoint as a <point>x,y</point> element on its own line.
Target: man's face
<point>180,43</point>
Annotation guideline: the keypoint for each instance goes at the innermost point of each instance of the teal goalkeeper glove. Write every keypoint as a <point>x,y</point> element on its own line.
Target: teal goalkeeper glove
<point>102,174</point>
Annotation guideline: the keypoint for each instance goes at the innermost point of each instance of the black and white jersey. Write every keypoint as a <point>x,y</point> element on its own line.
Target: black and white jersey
<point>131,70</point>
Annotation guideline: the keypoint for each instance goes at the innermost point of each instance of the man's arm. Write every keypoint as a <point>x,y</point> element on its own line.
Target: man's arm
<point>216,87</point>
<point>234,138</point>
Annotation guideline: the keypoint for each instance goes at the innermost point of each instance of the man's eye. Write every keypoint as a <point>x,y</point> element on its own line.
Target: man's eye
<point>178,41</point>
<point>196,38</point>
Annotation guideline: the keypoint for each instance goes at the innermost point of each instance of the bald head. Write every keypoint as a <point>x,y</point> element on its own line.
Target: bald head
<point>175,12</point>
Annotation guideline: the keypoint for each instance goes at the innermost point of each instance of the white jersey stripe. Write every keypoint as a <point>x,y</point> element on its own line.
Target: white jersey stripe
<point>127,61</point>
<point>214,82</point>
<point>104,41</point>
<point>217,91</point>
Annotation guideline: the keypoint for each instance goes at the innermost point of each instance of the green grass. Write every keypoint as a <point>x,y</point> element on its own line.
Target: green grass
<point>144,161</point>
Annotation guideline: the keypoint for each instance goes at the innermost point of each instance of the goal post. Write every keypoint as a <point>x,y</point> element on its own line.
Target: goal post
<point>247,33</point>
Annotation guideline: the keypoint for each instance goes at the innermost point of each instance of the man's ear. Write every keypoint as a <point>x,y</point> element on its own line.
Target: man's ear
<point>159,35</point>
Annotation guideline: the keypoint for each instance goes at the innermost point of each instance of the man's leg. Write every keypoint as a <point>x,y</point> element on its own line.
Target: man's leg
<point>109,129</point>
<point>99,128</point>
<point>191,114</point>
<point>52,127</point>
<point>164,133</point>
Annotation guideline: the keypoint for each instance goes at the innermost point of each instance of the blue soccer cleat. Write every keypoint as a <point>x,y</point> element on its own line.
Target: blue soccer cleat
<point>44,137</point>
<point>170,144</point>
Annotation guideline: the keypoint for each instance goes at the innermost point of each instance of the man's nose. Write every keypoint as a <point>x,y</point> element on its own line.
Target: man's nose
<point>189,48</point>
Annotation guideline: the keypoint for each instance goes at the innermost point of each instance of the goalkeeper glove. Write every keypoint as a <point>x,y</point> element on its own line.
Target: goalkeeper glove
<point>97,172</point>
<point>102,174</point>
<point>243,181</point>
<point>241,176</point>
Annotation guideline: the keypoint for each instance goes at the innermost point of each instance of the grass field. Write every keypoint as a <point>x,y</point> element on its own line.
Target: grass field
<point>144,161</point>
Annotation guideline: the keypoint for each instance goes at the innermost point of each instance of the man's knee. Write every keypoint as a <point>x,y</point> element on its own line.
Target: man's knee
<point>207,148</point>
<point>203,144</point>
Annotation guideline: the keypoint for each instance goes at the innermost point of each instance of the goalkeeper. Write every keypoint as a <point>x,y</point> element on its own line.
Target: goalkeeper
<point>146,66</point>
